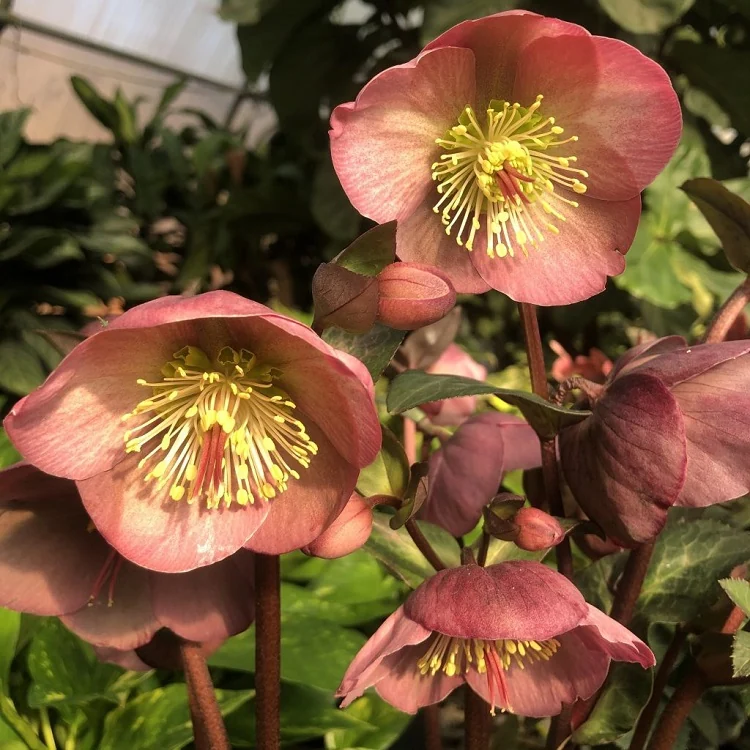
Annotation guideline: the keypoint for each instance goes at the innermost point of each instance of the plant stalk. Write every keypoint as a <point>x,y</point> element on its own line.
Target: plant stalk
<point>677,710</point>
<point>208,724</point>
<point>433,739</point>
<point>477,720</point>
<point>267,652</point>
<point>629,588</point>
<point>728,313</point>
<point>423,545</point>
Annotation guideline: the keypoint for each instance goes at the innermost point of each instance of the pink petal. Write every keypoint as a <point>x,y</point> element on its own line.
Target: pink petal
<point>406,689</point>
<point>619,103</point>
<point>149,528</point>
<point>397,632</point>
<point>465,473</point>
<point>520,600</point>
<point>383,144</point>
<point>207,604</point>
<point>49,559</point>
<point>626,463</point>
<point>641,353</point>
<point>601,633</point>
<point>350,530</point>
<point>310,505</point>
<point>128,623</point>
<point>421,238</point>
<point>541,688</point>
<point>499,44</point>
<point>125,659</point>
<point>571,266</point>
<point>71,425</point>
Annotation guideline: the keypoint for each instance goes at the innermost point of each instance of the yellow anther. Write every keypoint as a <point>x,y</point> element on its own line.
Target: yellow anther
<point>177,492</point>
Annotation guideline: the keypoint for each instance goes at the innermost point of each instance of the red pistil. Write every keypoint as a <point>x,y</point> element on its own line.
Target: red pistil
<point>111,570</point>
<point>495,678</point>
<point>210,461</point>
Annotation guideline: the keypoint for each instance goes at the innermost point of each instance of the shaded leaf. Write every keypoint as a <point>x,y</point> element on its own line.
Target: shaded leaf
<point>440,15</point>
<point>375,349</point>
<point>10,627</point>
<point>387,724</point>
<point>104,111</point>
<point>18,724</point>
<point>741,654</point>
<point>371,252</point>
<point>646,16</point>
<point>388,474</point>
<point>21,370</point>
<point>414,497</point>
<point>329,205</point>
<point>11,133</point>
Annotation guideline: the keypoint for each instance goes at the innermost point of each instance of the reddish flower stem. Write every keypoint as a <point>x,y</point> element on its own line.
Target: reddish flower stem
<point>433,739</point>
<point>208,725</point>
<point>629,588</point>
<point>410,440</point>
<point>646,719</point>
<point>476,721</point>
<point>727,314</point>
<point>538,372</point>
<point>267,652</point>
<point>423,545</point>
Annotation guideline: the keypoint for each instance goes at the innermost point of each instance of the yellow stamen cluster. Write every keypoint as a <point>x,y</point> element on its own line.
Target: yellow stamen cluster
<point>456,656</point>
<point>219,430</point>
<point>503,176</point>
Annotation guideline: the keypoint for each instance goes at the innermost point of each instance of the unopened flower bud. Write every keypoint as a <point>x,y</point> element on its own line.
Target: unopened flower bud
<point>346,534</point>
<point>413,295</point>
<point>537,530</point>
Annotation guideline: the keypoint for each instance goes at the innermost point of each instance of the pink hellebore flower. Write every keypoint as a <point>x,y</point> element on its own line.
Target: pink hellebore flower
<point>519,634</point>
<point>466,472</point>
<point>464,147</point>
<point>185,421</point>
<point>594,367</point>
<point>347,533</point>
<point>670,427</point>
<point>54,562</point>
<point>452,411</point>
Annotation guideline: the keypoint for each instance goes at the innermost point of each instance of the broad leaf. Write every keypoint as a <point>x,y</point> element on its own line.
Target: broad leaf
<point>388,474</point>
<point>375,349</point>
<point>738,590</point>
<point>371,252</point>
<point>741,654</point>
<point>387,724</point>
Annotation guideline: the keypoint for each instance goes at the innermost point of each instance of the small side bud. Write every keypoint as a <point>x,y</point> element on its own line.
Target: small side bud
<point>537,530</point>
<point>346,534</point>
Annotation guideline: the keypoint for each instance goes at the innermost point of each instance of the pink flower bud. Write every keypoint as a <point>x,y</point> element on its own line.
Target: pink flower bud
<point>413,295</point>
<point>346,534</point>
<point>537,530</point>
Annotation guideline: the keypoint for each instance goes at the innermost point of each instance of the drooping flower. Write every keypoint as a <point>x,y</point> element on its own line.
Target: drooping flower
<point>194,426</point>
<point>511,151</point>
<point>347,533</point>
<point>453,411</point>
<point>670,427</point>
<point>519,634</point>
<point>465,473</point>
<point>53,561</point>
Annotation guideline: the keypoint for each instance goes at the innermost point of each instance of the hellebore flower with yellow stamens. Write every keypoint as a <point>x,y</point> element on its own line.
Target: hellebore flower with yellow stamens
<point>671,426</point>
<point>519,634</point>
<point>512,151</point>
<point>196,426</point>
<point>54,562</point>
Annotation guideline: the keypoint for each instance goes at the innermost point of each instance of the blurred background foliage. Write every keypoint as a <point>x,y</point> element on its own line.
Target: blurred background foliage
<point>87,229</point>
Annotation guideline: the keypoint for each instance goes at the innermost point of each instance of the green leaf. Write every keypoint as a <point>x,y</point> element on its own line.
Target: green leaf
<point>375,349</point>
<point>127,129</point>
<point>690,556</point>
<point>728,215</point>
<point>646,16</point>
<point>500,551</point>
<point>738,590</point>
<point>9,739</point>
<point>21,371</point>
<point>160,719</point>
<point>168,96</point>
<point>415,387</point>
<point>10,627</point>
<point>596,580</point>
<point>396,550</point>
<point>387,724</point>
<point>242,11</point>
<point>741,654</point>
<point>11,133</point>
<point>388,474</point>
<point>306,712</point>
<point>615,713</point>
<point>329,205</point>
<point>8,454</point>
<point>371,252</point>
<point>21,727</point>
<point>318,661</point>
<point>99,107</point>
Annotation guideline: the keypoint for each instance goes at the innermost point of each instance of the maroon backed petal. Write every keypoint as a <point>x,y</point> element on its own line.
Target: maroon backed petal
<point>572,265</point>
<point>541,688</point>
<point>642,352</point>
<point>715,408</point>
<point>618,102</point>
<point>465,473</point>
<point>396,633</point>
<point>499,45</point>
<point>626,464</point>
<point>383,145</point>
<point>600,632</point>
<point>209,603</point>
<point>406,689</point>
<point>310,505</point>
<point>128,623</point>
<point>49,559</point>
<point>149,528</point>
<point>125,659</point>
<point>520,600</point>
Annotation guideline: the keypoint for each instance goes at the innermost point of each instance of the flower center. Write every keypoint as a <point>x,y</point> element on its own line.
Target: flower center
<point>456,656</point>
<point>510,171</point>
<point>219,430</point>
